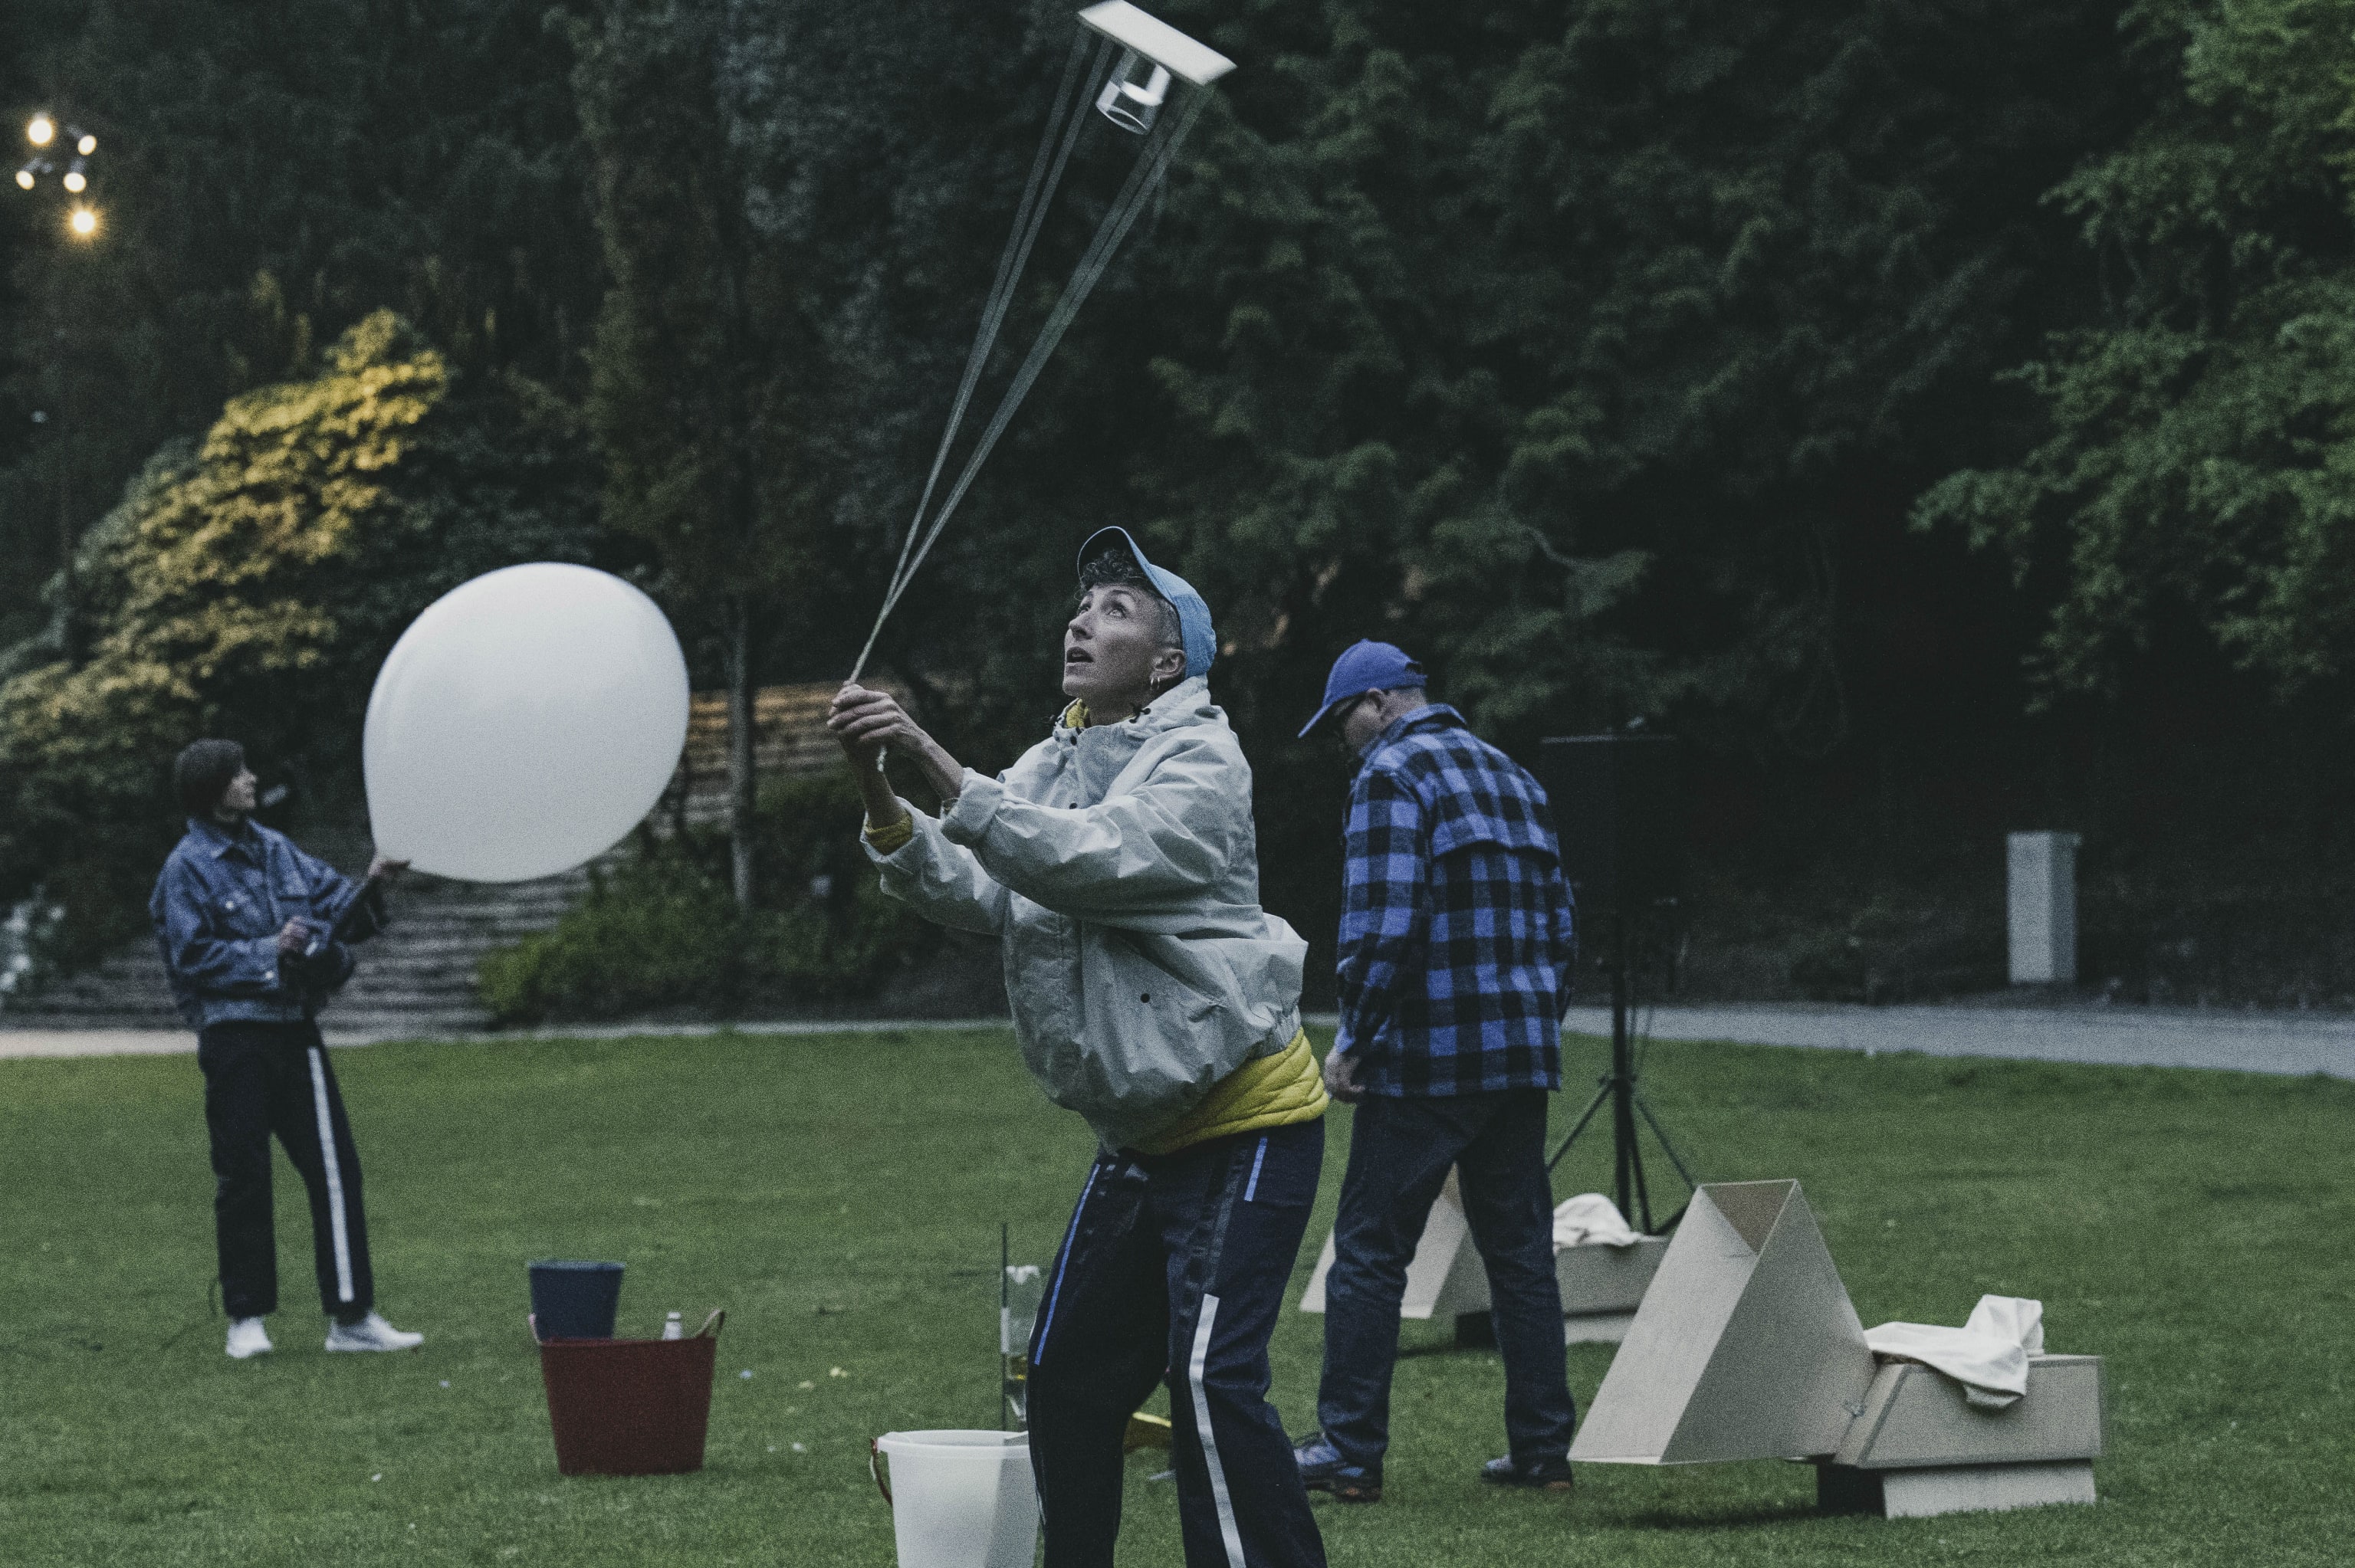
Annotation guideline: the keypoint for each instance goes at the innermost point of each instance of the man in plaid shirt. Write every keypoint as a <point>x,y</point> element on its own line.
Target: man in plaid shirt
<point>1455,963</point>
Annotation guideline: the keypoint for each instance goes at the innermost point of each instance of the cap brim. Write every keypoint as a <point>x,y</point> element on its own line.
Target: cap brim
<point>1169,584</point>
<point>1322,714</point>
<point>1095,542</point>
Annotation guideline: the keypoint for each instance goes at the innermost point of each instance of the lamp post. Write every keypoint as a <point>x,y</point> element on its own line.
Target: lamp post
<point>65,151</point>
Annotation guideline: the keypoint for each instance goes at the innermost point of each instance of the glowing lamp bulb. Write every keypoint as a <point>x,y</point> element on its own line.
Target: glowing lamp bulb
<point>25,178</point>
<point>40,130</point>
<point>86,147</point>
<point>75,182</point>
<point>84,222</point>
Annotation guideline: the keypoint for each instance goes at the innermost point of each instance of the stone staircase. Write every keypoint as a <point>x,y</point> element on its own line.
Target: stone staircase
<point>416,978</point>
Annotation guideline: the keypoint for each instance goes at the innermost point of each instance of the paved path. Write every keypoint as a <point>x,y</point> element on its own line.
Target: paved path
<point>93,1042</point>
<point>2122,1036</point>
<point>2119,1036</point>
<point>25,1042</point>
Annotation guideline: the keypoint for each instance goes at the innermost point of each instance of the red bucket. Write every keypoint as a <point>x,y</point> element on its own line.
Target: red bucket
<point>630,1407</point>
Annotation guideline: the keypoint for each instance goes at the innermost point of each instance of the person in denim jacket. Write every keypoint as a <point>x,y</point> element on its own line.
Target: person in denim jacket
<point>255,936</point>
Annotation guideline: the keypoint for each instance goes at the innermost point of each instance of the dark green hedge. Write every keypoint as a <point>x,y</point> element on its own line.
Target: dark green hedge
<point>663,931</point>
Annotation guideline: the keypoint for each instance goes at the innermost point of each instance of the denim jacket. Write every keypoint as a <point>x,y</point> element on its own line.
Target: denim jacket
<point>219,903</point>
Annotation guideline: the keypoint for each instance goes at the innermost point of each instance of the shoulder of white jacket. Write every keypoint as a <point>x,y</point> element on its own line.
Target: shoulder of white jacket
<point>1047,749</point>
<point>1211,737</point>
<point>1184,705</point>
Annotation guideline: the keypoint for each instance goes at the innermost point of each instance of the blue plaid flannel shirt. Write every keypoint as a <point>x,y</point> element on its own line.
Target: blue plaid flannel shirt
<point>1457,952</point>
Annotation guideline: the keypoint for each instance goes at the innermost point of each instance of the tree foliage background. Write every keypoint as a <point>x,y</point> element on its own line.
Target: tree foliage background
<point>2201,453</point>
<point>1835,382</point>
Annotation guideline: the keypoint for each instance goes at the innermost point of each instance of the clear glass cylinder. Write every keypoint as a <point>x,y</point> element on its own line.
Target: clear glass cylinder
<point>1023,1287</point>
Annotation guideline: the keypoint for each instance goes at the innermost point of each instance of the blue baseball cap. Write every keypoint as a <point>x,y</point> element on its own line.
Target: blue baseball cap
<point>1365,667</point>
<point>1193,615</point>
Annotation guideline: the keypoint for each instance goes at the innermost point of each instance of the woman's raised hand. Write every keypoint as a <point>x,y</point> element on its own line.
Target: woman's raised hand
<point>867,721</point>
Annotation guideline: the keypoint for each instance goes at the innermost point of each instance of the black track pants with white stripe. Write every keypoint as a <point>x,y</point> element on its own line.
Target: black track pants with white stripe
<point>263,1078</point>
<point>1174,1268</point>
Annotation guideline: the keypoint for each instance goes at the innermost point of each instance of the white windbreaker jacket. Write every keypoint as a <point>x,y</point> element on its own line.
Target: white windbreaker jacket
<point>1120,865</point>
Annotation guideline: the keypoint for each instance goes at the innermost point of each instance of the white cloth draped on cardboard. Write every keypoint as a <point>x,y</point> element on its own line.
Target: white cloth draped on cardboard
<point>1988,1355</point>
<point>1591,1219</point>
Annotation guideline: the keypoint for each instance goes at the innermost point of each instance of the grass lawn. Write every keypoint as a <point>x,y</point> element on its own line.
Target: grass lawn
<point>841,1198</point>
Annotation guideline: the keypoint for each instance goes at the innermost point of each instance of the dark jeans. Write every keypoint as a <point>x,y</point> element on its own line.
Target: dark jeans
<point>1174,1268</point>
<point>1400,1149</point>
<point>266,1079</point>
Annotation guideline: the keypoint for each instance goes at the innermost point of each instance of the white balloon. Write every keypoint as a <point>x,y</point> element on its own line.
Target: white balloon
<point>524,724</point>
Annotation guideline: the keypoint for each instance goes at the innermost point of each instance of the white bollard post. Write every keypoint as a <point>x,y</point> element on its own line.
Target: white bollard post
<point>2042,886</point>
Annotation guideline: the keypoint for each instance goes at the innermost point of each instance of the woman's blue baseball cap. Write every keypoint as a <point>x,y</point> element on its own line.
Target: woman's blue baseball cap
<point>1193,615</point>
<point>1365,667</point>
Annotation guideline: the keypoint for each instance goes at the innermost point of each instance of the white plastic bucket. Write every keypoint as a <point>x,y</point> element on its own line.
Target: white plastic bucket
<point>960,1500</point>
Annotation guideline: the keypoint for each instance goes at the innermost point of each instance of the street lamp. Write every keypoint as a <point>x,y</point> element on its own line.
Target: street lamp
<point>42,130</point>
<point>64,150</point>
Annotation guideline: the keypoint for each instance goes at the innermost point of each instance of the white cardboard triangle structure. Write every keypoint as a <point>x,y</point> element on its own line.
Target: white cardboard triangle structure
<point>1745,1347</point>
<point>1600,1285</point>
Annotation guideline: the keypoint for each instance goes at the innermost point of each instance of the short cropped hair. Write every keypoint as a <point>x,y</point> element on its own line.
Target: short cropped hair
<point>202,773</point>
<point>1116,568</point>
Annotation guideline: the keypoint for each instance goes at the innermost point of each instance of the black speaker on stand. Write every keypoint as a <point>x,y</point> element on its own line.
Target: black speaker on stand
<point>1618,811</point>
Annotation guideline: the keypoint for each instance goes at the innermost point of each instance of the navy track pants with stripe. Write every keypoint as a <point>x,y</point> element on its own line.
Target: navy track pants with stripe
<point>263,1078</point>
<point>1174,1269</point>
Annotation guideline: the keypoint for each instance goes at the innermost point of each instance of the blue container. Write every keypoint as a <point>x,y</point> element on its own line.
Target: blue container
<point>574,1300</point>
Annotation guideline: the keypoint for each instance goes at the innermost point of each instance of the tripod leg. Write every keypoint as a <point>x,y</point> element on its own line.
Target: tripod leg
<point>1588,1115</point>
<point>1643,1194</point>
<point>1622,1070</point>
<point>1662,1134</point>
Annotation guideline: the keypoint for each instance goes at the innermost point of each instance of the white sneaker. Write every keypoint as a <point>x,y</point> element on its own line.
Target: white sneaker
<point>247,1338</point>
<point>370,1333</point>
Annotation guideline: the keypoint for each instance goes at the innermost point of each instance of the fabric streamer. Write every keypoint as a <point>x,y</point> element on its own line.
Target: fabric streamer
<point>1045,175</point>
<point>1065,123</point>
<point>1988,1355</point>
<point>1591,1219</point>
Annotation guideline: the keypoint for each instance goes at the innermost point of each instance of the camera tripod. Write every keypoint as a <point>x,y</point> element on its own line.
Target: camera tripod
<point>1619,1086</point>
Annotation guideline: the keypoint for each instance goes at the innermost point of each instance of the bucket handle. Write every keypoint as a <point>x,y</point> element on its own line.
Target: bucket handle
<point>874,1452</point>
<point>710,1329</point>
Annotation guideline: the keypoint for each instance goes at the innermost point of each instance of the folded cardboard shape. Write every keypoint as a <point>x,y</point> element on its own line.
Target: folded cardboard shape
<point>1607,1280</point>
<point>1952,1488</point>
<point>1914,1418</point>
<point>1746,1346</point>
<point>1601,1286</point>
<point>1596,1328</point>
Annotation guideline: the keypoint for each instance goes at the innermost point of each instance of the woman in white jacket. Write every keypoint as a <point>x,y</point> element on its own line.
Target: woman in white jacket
<point>1118,863</point>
